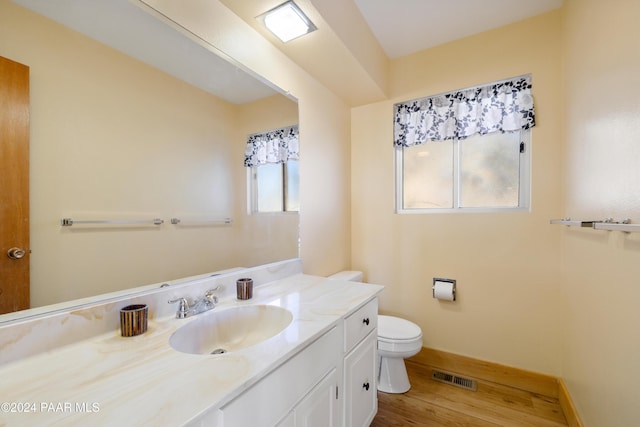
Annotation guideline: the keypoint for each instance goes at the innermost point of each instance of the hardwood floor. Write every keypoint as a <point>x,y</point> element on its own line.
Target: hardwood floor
<point>431,403</point>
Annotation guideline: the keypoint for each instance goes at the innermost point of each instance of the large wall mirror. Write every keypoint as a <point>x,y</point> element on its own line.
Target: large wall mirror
<point>133,119</point>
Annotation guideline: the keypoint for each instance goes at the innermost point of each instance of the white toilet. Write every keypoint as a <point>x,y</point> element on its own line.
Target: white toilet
<point>397,339</point>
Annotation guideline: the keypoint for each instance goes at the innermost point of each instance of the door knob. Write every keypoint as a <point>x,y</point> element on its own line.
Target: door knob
<point>16,253</point>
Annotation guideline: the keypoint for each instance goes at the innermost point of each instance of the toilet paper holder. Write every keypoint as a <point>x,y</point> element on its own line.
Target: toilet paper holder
<point>452,282</point>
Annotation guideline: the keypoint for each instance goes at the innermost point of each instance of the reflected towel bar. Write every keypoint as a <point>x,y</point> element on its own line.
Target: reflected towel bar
<point>68,222</point>
<point>574,223</point>
<point>178,221</point>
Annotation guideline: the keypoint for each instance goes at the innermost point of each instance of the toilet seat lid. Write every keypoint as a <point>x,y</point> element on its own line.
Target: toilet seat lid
<point>395,328</point>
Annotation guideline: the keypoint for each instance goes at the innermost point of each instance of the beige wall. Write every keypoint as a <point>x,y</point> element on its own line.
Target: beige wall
<point>601,350</point>
<point>271,237</point>
<point>545,298</point>
<point>114,138</point>
<point>324,128</point>
<point>506,264</point>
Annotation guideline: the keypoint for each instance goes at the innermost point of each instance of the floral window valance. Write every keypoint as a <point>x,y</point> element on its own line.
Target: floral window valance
<point>505,106</point>
<point>274,146</point>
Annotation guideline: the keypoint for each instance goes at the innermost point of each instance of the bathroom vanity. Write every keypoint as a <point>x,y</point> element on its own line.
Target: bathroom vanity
<point>319,370</point>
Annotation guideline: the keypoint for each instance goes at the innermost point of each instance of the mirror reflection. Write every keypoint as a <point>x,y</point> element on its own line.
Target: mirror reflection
<point>112,137</point>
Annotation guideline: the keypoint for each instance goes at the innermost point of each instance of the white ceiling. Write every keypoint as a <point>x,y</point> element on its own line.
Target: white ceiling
<point>403,27</point>
<point>350,51</point>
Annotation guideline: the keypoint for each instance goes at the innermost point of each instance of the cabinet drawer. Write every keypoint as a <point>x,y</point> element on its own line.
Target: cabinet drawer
<point>360,324</point>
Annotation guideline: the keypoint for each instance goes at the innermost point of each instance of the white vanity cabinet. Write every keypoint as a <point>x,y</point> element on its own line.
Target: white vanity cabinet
<point>303,387</point>
<point>360,386</point>
<point>330,383</point>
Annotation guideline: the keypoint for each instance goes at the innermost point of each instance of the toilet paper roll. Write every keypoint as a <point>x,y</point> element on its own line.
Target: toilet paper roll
<point>444,291</point>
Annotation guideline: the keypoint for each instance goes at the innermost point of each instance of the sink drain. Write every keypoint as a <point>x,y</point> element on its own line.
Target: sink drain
<point>219,351</point>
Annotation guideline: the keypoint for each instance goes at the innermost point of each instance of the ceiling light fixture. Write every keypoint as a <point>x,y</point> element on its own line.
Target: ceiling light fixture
<point>287,21</point>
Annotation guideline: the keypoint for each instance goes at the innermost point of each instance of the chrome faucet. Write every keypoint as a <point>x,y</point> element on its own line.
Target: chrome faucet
<point>205,303</point>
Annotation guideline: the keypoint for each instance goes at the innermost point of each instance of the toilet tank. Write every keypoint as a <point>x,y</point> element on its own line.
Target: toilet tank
<point>351,275</point>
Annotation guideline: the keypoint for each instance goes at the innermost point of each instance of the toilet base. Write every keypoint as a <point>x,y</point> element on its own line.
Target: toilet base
<point>392,376</point>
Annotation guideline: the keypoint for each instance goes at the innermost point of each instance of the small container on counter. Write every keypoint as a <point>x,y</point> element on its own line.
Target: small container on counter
<point>244,288</point>
<point>133,320</point>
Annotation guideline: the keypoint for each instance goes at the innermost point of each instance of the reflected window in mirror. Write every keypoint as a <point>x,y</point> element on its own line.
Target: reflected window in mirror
<point>272,161</point>
<point>274,187</point>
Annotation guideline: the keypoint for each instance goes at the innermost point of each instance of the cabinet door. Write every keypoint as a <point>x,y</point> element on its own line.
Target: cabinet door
<point>320,407</point>
<point>361,398</point>
<point>268,401</point>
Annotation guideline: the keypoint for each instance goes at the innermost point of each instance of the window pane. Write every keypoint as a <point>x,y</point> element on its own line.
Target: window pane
<point>269,182</point>
<point>293,192</point>
<point>428,175</point>
<point>490,170</point>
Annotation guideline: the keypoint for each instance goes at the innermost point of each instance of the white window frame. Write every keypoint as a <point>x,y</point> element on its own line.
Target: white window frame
<point>252,193</point>
<point>524,195</point>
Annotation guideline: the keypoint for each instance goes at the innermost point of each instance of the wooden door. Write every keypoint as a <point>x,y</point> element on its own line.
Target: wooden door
<point>14,186</point>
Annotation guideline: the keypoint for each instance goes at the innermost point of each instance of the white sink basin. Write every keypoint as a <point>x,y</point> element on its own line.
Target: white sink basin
<point>230,329</point>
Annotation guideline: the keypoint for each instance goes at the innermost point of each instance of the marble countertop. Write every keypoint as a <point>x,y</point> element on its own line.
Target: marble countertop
<point>112,380</point>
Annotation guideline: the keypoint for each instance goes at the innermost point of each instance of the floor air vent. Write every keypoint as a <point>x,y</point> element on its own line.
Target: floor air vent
<point>455,380</point>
